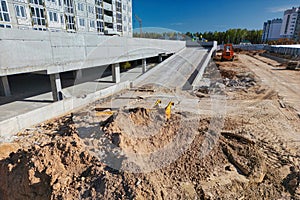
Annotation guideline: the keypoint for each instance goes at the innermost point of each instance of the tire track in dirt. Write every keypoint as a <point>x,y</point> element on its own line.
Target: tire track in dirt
<point>262,117</point>
<point>275,79</point>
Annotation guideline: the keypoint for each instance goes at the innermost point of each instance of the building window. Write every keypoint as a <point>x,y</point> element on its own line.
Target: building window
<point>38,16</point>
<point>81,22</point>
<point>99,14</point>
<point>119,28</point>
<point>53,1</point>
<point>62,19</point>
<point>92,24</point>
<point>69,6</point>
<point>119,6</point>
<point>91,9</point>
<point>20,11</point>
<point>37,2</point>
<point>98,2</point>
<point>5,26</point>
<point>119,18</point>
<point>80,6</point>
<point>53,17</point>
<point>287,23</point>
<point>4,15</point>
<point>100,26</point>
<point>70,22</point>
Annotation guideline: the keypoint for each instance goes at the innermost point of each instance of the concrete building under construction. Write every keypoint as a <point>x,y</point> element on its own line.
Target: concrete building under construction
<point>52,37</point>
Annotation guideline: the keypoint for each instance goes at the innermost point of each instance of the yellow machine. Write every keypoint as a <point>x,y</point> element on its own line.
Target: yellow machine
<point>168,110</point>
<point>157,103</point>
<point>107,111</point>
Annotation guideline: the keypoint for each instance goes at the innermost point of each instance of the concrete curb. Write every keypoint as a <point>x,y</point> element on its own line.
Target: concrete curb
<point>201,68</point>
<point>15,124</point>
<point>278,59</point>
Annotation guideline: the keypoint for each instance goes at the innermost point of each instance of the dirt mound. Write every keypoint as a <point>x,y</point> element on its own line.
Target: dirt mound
<point>61,168</point>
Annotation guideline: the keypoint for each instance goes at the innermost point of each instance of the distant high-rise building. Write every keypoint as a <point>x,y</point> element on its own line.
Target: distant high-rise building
<point>271,30</point>
<point>297,27</point>
<point>99,16</point>
<point>290,25</point>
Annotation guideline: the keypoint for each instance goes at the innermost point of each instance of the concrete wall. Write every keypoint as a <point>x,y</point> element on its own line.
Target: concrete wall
<point>251,47</point>
<point>202,66</point>
<point>288,50</point>
<point>13,125</point>
<point>54,52</point>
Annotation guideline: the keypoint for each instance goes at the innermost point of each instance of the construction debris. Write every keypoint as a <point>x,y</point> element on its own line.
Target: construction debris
<point>282,105</point>
<point>293,65</point>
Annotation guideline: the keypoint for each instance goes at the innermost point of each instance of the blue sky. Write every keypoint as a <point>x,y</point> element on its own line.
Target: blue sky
<point>212,15</point>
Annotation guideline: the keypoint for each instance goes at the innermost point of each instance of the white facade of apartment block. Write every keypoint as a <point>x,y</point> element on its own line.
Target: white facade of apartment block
<point>98,16</point>
<point>290,20</point>
<point>288,27</point>
<point>271,30</point>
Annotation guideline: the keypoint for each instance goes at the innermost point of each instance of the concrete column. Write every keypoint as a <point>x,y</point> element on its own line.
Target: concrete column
<point>4,86</point>
<point>56,87</point>
<point>116,77</point>
<point>78,74</point>
<point>144,65</point>
<point>160,59</point>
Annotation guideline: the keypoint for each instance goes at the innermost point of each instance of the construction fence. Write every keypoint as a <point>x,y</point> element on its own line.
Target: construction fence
<point>292,51</point>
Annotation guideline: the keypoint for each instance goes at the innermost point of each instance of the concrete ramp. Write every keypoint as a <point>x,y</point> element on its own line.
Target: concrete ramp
<point>183,70</point>
<point>175,71</point>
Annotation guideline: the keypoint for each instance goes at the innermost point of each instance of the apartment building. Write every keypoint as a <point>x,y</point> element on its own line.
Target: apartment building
<point>290,22</point>
<point>109,17</point>
<point>297,27</point>
<point>271,30</point>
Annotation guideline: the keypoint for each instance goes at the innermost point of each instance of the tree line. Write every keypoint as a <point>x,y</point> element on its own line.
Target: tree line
<point>235,36</point>
<point>164,36</point>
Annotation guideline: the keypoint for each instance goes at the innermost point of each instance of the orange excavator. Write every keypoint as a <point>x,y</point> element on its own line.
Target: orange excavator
<point>227,53</point>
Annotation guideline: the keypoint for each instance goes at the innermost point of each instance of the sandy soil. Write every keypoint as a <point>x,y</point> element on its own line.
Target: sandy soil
<point>254,156</point>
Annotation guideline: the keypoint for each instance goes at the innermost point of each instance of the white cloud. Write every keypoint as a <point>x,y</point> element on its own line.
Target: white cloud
<point>280,8</point>
<point>177,24</point>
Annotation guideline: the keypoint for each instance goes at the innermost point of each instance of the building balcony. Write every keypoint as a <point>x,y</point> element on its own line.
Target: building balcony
<point>108,19</point>
<point>108,1</point>
<point>107,6</point>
